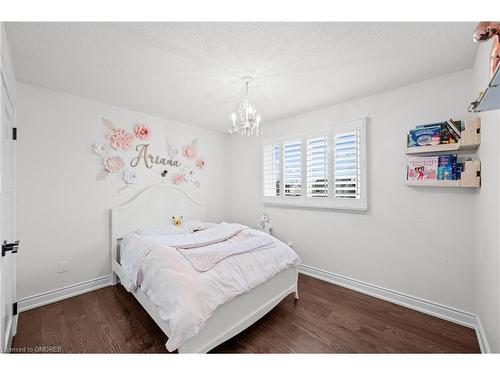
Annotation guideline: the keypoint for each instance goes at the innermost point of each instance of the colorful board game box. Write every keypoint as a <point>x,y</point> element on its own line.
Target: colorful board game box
<point>425,136</point>
<point>422,169</point>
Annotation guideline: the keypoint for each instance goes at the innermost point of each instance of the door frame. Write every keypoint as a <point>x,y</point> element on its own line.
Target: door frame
<point>5,83</point>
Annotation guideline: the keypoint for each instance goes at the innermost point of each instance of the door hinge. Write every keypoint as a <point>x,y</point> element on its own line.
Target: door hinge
<point>13,246</point>
<point>14,134</point>
<point>14,308</point>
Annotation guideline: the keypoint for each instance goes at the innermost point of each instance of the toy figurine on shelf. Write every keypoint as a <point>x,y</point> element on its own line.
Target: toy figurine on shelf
<point>485,31</point>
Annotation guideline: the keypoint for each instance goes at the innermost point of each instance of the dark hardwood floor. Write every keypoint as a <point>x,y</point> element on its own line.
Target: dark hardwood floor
<point>326,319</point>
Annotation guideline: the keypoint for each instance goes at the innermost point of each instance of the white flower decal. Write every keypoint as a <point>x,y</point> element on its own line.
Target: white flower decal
<point>130,176</point>
<point>190,175</point>
<point>172,150</point>
<point>101,149</point>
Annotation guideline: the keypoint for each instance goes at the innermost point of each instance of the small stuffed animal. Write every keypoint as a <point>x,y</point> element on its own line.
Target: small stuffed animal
<point>177,220</point>
<point>264,224</point>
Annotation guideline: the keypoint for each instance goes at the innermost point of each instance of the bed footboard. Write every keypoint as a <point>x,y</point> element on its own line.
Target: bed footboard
<point>241,312</point>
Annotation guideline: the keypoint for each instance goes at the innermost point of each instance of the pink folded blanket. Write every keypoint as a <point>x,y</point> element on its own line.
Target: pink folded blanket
<point>205,257</point>
<point>218,233</point>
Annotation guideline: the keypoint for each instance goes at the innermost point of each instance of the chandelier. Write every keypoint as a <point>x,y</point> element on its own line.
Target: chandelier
<point>248,121</point>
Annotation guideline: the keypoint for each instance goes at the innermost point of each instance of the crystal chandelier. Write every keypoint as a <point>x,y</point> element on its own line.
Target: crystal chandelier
<point>248,122</point>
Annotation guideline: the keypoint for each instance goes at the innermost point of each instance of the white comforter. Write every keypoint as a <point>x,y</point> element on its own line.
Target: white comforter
<point>186,298</point>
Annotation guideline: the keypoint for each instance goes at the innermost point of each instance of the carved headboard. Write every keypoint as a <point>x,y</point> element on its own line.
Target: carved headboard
<point>153,207</point>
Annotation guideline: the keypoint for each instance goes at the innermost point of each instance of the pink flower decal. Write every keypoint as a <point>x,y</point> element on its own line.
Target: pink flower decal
<point>120,139</point>
<point>189,151</point>
<point>113,163</point>
<point>142,131</point>
<point>177,178</point>
<point>200,163</point>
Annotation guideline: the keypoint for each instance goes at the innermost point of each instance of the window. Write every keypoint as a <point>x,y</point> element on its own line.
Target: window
<point>292,168</point>
<point>272,170</point>
<point>324,169</point>
<point>346,164</point>
<point>317,166</point>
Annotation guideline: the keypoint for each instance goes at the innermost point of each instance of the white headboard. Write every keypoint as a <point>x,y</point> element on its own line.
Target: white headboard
<point>153,207</point>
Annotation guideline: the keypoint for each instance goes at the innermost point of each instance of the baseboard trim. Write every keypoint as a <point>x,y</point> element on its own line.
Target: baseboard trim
<point>63,293</point>
<point>481,337</point>
<point>428,307</point>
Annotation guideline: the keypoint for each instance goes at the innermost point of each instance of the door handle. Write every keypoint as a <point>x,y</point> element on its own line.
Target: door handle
<point>13,246</point>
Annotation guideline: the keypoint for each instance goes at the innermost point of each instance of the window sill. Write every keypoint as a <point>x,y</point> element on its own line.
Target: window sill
<point>316,204</point>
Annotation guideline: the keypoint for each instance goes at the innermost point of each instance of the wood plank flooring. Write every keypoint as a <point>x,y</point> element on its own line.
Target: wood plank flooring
<point>326,319</point>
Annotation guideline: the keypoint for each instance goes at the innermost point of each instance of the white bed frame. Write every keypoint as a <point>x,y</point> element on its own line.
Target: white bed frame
<point>152,208</point>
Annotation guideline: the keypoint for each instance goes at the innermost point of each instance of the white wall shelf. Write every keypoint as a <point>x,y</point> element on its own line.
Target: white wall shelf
<point>471,178</point>
<point>470,140</point>
<point>441,148</point>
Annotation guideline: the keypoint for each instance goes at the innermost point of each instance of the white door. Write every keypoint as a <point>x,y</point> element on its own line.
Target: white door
<point>7,220</point>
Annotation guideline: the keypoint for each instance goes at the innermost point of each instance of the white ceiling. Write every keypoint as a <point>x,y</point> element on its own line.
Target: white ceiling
<point>190,72</point>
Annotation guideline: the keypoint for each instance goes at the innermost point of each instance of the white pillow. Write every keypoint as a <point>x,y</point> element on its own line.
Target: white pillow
<point>168,230</point>
<point>209,225</point>
<point>193,226</point>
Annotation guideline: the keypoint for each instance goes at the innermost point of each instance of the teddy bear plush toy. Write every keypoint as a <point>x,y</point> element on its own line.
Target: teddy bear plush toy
<point>177,220</point>
<point>264,224</point>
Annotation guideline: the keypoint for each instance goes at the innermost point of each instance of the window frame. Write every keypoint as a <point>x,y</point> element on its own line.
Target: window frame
<point>321,203</point>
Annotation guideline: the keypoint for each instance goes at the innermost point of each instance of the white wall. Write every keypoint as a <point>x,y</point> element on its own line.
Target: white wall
<point>62,210</point>
<point>488,211</point>
<point>410,240</point>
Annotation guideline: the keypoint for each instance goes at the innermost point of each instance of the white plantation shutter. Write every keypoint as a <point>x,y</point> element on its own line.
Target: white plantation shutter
<point>346,164</point>
<point>317,166</point>
<point>324,169</point>
<point>292,168</point>
<point>272,158</point>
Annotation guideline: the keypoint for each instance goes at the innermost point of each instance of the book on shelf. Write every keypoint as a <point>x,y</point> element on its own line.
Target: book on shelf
<point>446,132</point>
<point>447,165</point>
<point>432,168</point>
<point>425,136</point>
<point>422,169</point>
<point>455,127</point>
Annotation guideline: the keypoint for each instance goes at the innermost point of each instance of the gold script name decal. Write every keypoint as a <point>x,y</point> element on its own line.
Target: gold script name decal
<point>149,160</point>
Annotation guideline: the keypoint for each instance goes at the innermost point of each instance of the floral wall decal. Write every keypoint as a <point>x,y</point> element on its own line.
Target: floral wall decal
<point>121,140</point>
<point>133,149</point>
<point>200,163</point>
<point>142,132</point>
<point>190,176</point>
<point>172,150</point>
<point>189,151</point>
<point>130,177</point>
<point>113,163</point>
<point>102,174</point>
<point>101,149</point>
<point>177,178</point>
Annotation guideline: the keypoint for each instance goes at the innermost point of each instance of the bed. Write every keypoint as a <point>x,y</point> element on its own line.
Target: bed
<point>149,209</point>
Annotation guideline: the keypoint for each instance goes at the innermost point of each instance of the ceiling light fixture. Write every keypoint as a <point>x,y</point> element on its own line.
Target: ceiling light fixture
<point>249,121</point>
